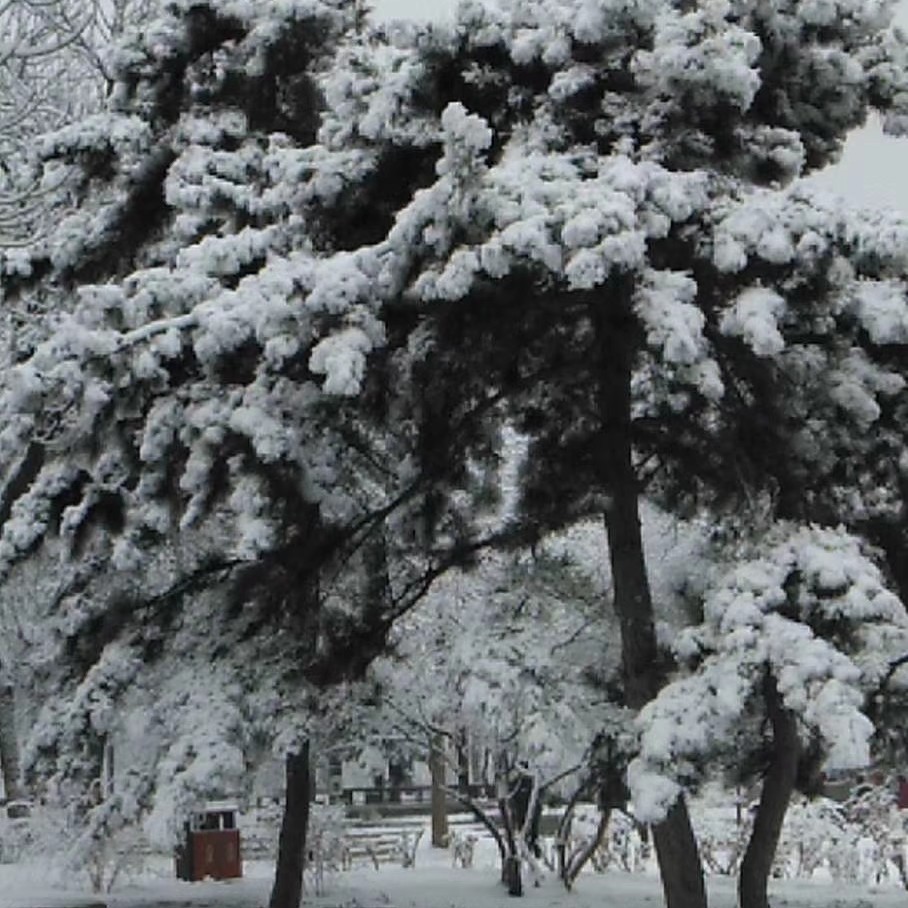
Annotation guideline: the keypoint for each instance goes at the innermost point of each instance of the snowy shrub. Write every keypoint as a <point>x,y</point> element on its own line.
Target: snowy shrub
<point>324,845</point>
<point>723,827</point>
<point>872,808</point>
<point>817,833</point>
<point>856,841</point>
<point>97,850</point>
<point>628,845</point>
<point>16,837</point>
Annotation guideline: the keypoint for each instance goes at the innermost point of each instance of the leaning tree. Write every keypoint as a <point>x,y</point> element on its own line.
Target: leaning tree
<point>187,399</point>
<point>798,628</point>
<point>574,254</point>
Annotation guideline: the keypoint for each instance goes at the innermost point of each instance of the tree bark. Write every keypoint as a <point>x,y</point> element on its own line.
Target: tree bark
<point>679,859</point>
<point>570,869</point>
<point>439,793</point>
<point>778,786</point>
<point>9,744</point>
<point>463,761</point>
<point>287,891</point>
<point>486,821</point>
<point>676,846</point>
<point>510,868</point>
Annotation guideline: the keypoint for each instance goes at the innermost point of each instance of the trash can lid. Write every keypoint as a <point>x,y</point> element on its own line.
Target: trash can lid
<point>219,807</point>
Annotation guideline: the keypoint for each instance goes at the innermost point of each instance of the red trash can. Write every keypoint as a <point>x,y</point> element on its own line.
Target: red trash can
<point>211,848</point>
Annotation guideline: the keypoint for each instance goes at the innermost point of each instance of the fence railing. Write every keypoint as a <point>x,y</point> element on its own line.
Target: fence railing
<point>399,794</point>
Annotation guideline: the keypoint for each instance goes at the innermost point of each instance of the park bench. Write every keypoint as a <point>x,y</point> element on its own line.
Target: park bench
<point>380,845</point>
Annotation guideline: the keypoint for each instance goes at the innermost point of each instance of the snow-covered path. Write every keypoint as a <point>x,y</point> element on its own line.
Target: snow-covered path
<point>615,889</point>
<point>434,884</point>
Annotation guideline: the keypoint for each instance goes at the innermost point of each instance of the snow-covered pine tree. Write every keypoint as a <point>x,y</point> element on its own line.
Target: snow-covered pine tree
<point>811,423</point>
<point>206,326</point>
<point>796,634</point>
<point>538,189</point>
<point>810,426</point>
<point>188,405</point>
<point>575,254</point>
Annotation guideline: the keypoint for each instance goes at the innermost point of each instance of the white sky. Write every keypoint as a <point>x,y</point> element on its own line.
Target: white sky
<point>873,169</point>
<point>412,9</point>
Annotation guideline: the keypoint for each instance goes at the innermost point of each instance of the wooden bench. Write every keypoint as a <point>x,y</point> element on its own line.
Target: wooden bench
<point>380,846</point>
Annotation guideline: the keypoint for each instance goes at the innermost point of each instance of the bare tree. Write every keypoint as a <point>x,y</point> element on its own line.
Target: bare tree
<point>56,66</point>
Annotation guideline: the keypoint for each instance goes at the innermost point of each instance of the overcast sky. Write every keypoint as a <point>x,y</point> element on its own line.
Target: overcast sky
<point>872,171</point>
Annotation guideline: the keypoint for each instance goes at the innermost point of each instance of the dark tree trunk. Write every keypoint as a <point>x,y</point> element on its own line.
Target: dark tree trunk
<point>510,867</point>
<point>676,846</point>
<point>291,855</point>
<point>890,536</point>
<point>511,875</point>
<point>439,795</point>
<point>9,745</point>
<point>679,859</point>
<point>463,761</point>
<point>482,817</point>
<point>778,785</point>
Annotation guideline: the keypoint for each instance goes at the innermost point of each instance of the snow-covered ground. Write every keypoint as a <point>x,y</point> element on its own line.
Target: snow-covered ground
<point>432,884</point>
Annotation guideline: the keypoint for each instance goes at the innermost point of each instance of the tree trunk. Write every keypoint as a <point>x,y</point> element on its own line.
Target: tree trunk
<point>569,867</point>
<point>510,867</point>
<point>482,817</point>
<point>676,847</point>
<point>463,761</point>
<point>9,744</point>
<point>439,794</point>
<point>291,856</point>
<point>679,859</point>
<point>511,875</point>
<point>778,785</point>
